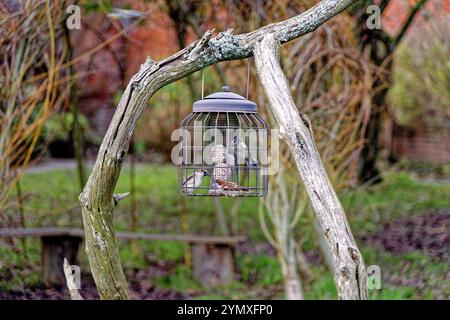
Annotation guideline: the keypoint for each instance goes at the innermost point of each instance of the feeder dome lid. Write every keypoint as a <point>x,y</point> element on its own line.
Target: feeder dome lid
<point>224,101</point>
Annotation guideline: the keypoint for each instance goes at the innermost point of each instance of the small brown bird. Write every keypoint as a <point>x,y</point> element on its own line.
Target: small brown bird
<point>229,185</point>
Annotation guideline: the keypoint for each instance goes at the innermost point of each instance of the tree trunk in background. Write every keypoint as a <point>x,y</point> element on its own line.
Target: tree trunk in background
<point>77,135</point>
<point>234,211</point>
<point>378,47</point>
<point>22,218</point>
<point>349,269</point>
<point>303,266</point>
<point>292,282</point>
<point>183,14</point>
<point>221,218</point>
<point>288,261</point>
<point>133,202</point>
<point>182,17</point>
<point>284,211</point>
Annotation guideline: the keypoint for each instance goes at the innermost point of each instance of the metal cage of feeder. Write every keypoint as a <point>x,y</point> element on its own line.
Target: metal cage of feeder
<point>224,148</point>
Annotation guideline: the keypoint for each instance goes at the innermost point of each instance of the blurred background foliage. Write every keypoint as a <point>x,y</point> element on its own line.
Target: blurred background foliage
<point>33,84</point>
<point>421,77</point>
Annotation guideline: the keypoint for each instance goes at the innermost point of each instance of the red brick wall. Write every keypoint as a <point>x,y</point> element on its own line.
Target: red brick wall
<point>424,143</point>
<point>100,80</point>
<point>397,11</point>
<point>428,144</point>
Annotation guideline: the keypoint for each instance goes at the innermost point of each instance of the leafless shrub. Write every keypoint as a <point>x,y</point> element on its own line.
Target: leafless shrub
<point>284,206</point>
<point>333,83</point>
<point>32,85</point>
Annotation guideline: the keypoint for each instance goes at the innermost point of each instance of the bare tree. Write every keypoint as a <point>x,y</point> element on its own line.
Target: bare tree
<point>379,47</point>
<point>296,129</point>
<point>31,87</point>
<point>183,14</point>
<point>97,198</point>
<point>284,205</point>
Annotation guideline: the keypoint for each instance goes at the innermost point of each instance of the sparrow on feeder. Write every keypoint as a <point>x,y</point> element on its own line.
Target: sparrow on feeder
<point>241,147</point>
<point>229,185</point>
<point>242,152</point>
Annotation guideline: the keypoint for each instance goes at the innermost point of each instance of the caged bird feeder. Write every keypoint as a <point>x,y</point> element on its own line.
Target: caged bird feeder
<point>224,148</point>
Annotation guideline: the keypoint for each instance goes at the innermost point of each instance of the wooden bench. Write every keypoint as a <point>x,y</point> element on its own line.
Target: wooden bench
<point>212,256</point>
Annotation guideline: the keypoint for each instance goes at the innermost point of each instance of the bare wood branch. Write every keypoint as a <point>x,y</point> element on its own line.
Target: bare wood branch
<point>190,18</point>
<point>120,196</point>
<point>96,198</point>
<point>295,128</point>
<point>71,284</point>
<point>303,265</point>
<point>412,14</point>
<point>383,5</point>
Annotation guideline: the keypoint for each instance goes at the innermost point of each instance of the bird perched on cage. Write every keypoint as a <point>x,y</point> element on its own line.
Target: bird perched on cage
<point>229,185</point>
<point>193,181</point>
<point>241,147</point>
<point>242,151</point>
<point>252,162</point>
<point>229,159</point>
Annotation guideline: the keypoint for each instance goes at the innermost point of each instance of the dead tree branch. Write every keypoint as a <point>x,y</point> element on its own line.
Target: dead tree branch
<point>295,128</point>
<point>71,285</point>
<point>97,197</point>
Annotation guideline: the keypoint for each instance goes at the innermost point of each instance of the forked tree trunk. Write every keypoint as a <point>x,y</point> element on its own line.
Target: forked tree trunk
<point>97,199</point>
<point>295,128</point>
<point>292,281</point>
<point>284,210</point>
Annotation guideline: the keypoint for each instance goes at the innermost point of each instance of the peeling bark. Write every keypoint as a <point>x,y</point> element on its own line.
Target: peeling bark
<point>295,128</point>
<point>97,197</point>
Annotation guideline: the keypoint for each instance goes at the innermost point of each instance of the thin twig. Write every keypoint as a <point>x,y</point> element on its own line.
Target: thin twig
<point>71,284</point>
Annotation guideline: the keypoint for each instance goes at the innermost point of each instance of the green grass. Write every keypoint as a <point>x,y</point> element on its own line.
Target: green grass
<point>261,269</point>
<point>322,288</point>
<point>51,200</point>
<point>399,196</point>
<point>422,277</point>
<point>181,280</point>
